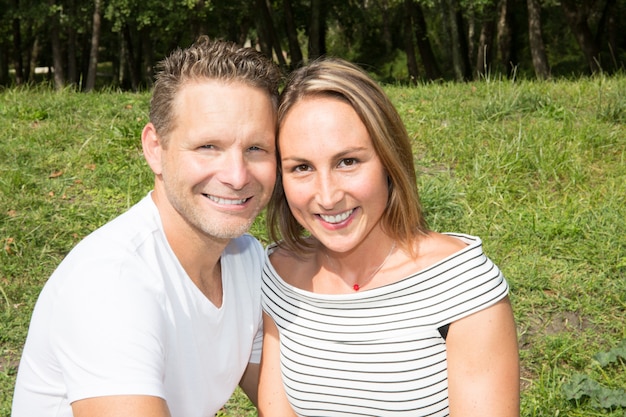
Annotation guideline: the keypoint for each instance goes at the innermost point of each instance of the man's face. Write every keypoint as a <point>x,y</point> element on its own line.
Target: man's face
<point>218,168</point>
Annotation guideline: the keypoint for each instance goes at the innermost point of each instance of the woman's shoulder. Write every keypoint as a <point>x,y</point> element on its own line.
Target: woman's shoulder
<point>435,247</point>
<point>448,241</point>
<point>291,266</point>
<point>279,256</point>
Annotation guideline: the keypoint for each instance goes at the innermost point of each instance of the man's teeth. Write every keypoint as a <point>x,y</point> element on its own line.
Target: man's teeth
<point>219,200</point>
<point>336,218</point>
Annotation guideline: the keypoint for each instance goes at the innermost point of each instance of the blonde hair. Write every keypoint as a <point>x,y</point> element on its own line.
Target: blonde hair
<point>403,219</point>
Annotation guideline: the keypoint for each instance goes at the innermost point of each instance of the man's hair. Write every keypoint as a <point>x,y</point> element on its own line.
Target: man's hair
<point>336,78</point>
<point>208,59</point>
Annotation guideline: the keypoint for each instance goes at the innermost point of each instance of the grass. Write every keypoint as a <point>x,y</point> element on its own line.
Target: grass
<point>538,170</point>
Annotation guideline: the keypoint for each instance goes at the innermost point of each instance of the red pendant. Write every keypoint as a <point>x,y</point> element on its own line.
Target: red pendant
<point>356,287</point>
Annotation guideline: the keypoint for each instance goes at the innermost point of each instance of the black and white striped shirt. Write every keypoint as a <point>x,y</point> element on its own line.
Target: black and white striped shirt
<point>377,352</point>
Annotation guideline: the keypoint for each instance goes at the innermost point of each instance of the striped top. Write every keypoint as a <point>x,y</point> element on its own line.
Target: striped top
<point>377,352</point>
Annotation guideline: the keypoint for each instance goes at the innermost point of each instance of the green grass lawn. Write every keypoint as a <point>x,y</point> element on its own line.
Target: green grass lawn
<point>537,170</point>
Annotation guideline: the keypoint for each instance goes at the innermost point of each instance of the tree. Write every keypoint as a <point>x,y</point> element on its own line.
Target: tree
<point>30,20</point>
<point>450,39</point>
<point>537,48</point>
<point>424,47</point>
<point>143,26</point>
<point>269,38</point>
<point>504,36</point>
<point>75,30</point>
<point>612,29</point>
<point>18,63</point>
<point>55,40</point>
<point>5,36</point>
<point>317,30</point>
<point>484,54</point>
<point>577,14</point>
<point>95,44</point>
<point>458,39</point>
<point>384,12</point>
<point>295,53</point>
<point>411,60</point>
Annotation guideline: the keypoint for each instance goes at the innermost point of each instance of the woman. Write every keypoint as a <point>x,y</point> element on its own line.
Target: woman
<point>367,311</point>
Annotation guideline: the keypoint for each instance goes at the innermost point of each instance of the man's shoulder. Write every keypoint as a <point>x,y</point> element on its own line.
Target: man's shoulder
<point>121,242</point>
<point>127,230</point>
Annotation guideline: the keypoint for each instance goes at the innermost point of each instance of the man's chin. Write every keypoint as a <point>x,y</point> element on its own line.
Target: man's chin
<point>227,230</point>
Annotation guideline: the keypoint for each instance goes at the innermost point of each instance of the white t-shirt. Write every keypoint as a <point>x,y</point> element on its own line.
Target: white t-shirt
<point>120,316</point>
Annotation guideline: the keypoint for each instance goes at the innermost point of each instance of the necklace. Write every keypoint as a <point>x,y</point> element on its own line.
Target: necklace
<point>356,286</point>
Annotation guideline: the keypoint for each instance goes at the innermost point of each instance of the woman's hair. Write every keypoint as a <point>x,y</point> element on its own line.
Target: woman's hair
<point>208,59</point>
<point>336,78</point>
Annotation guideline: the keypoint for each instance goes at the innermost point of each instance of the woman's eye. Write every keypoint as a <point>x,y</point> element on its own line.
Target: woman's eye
<point>348,162</point>
<point>300,168</point>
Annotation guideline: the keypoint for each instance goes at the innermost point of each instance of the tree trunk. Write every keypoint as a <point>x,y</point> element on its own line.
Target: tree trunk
<point>315,30</point>
<point>537,48</point>
<point>295,53</point>
<point>18,63</point>
<point>613,32</point>
<point>431,69</point>
<point>147,56</point>
<point>198,24</point>
<point>72,70</point>
<point>577,20</point>
<point>606,32</point>
<point>95,44</point>
<point>484,56</point>
<point>4,63</point>
<point>83,61</point>
<point>30,49</point>
<point>384,12</point>
<point>130,59</point>
<point>504,36</point>
<point>267,25</point>
<point>72,44</point>
<point>243,30</point>
<point>122,65</point>
<point>263,39</point>
<point>460,56</point>
<point>463,44</point>
<point>57,54</point>
<point>409,48</point>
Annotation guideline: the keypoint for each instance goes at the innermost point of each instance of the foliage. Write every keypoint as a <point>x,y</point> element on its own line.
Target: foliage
<point>583,387</point>
<point>135,35</point>
<point>614,355</point>
<point>537,170</point>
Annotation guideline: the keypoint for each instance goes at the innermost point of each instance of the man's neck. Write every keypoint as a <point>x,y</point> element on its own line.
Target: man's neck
<point>198,254</point>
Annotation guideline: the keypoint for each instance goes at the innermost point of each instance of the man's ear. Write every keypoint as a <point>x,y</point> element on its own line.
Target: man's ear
<point>152,149</point>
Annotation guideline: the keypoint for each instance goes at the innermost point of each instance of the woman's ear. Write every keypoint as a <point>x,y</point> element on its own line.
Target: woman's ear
<point>152,149</point>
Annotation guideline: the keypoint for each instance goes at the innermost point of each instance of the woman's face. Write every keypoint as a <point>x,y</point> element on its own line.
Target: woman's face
<point>335,183</point>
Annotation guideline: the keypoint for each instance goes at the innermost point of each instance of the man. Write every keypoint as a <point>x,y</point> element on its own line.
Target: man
<point>158,312</point>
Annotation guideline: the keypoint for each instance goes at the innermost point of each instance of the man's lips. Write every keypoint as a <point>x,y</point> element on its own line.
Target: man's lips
<point>227,201</point>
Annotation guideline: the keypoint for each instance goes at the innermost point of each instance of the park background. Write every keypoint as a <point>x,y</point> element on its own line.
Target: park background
<point>516,110</point>
<point>89,44</point>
